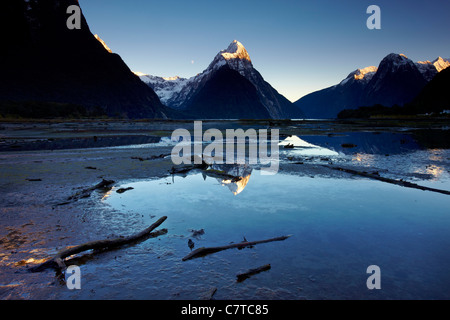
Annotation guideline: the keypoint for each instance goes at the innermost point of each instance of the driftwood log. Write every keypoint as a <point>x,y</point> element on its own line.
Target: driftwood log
<point>242,276</point>
<point>161,156</point>
<point>86,193</point>
<point>388,180</point>
<point>210,294</point>
<point>122,190</point>
<point>201,252</point>
<point>57,262</point>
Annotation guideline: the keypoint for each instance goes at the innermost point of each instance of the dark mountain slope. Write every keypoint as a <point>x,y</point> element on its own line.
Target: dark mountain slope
<point>45,61</point>
<point>226,95</point>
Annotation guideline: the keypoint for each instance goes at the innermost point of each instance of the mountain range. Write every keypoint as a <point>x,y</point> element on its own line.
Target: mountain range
<point>229,87</point>
<point>396,81</point>
<point>431,100</point>
<point>49,70</point>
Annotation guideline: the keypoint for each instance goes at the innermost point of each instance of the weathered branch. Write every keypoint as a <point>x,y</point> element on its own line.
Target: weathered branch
<point>242,276</point>
<point>201,252</point>
<point>122,190</point>
<point>86,193</point>
<point>57,262</point>
<point>388,180</point>
<point>161,156</point>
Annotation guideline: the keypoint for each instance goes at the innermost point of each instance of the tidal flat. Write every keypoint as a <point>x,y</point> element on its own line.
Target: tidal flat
<point>350,194</point>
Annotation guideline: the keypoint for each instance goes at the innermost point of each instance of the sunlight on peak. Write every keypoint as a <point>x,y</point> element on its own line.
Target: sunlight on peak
<point>171,78</point>
<point>236,50</point>
<point>360,73</point>
<point>238,186</point>
<point>103,43</point>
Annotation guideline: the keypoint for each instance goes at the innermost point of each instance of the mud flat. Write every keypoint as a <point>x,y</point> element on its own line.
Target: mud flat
<point>36,178</point>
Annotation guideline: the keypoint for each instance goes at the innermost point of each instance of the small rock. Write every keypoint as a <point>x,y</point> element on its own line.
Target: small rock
<point>191,244</point>
<point>122,190</point>
<point>197,233</point>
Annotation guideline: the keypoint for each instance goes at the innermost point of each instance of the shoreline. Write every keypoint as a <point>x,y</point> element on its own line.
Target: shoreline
<point>33,182</point>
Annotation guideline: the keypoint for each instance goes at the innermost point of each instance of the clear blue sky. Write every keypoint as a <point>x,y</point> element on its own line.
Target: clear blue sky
<point>297,46</point>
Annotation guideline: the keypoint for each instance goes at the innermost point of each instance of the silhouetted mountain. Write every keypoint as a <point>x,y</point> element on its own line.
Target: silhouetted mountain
<point>178,92</point>
<point>43,61</point>
<point>432,100</point>
<point>434,97</point>
<point>349,93</point>
<point>430,69</point>
<point>226,95</point>
<point>396,81</point>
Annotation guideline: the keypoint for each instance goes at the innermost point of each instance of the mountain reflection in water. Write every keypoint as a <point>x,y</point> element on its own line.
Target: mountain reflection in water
<point>239,175</point>
<point>301,147</point>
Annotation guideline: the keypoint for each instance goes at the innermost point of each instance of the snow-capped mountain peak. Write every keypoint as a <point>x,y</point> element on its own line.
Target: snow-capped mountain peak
<point>395,64</point>
<point>174,91</point>
<point>364,74</point>
<point>165,87</point>
<point>172,78</point>
<point>430,68</point>
<point>177,93</point>
<point>391,63</point>
<point>396,60</point>
<point>396,81</point>
<point>235,56</point>
<point>441,64</point>
<point>235,50</point>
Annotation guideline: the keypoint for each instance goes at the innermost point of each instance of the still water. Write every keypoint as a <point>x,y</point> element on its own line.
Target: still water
<point>339,227</point>
<point>339,224</point>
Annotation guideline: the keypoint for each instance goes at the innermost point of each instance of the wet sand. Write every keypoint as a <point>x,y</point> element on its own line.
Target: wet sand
<point>33,182</point>
<point>34,227</point>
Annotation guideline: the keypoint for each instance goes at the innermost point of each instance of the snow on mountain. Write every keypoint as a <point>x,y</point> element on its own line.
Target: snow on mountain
<point>441,64</point>
<point>396,80</point>
<point>366,73</point>
<point>393,63</point>
<point>165,88</point>
<point>235,51</point>
<point>236,56</point>
<point>363,75</point>
<point>241,174</point>
<point>430,69</point>
<point>177,92</point>
<point>427,68</point>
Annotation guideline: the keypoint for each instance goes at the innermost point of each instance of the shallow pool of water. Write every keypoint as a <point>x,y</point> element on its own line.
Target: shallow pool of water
<point>339,228</point>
